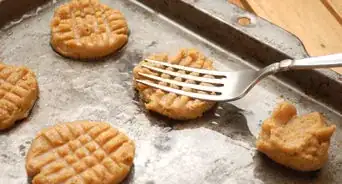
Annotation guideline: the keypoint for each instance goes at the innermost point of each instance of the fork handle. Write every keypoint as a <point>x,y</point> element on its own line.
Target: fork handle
<point>328,61</point>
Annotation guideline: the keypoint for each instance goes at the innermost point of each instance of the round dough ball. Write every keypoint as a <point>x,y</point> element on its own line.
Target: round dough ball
<point>298,142</point>
<point>169,104</point>
<point>84,29</point>
<point>80,152</point>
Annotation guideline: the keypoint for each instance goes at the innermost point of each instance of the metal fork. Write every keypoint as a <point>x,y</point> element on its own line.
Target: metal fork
<point>229,86</point>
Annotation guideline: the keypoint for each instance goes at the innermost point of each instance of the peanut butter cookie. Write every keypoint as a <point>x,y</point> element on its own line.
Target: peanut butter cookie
<point>80,152</point>
<point>169,104</point>
<point>18,93</point>
<point>298,142</point>
<point>84,29</point>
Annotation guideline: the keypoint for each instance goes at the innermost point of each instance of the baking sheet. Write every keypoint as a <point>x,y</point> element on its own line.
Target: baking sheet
<point>217,148</point>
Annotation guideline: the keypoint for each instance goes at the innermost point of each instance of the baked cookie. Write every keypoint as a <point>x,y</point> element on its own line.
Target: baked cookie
<point>80,152</point>
<point>18,93</point>
<point>169,104</point>
<point>84,29</point>
<point>298,142</point>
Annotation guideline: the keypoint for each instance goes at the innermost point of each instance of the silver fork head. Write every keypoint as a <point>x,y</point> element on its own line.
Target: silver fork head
<point>223,86</point>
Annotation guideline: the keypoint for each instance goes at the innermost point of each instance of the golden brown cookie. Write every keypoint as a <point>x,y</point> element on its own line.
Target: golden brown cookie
<point>169,104</point>
<point>18,93</point>
<point>80,152</point>
<point>84,29</point>
<point>298,142</point>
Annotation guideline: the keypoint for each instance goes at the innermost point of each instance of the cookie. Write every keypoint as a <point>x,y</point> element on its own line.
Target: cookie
<point>18,93</point>
<point>85,29</point>
<point>297,142</point>
<point>169,104</point>
<point>80,152</point>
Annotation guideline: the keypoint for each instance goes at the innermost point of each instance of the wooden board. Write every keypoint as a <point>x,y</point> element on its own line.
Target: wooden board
<point>335,8</point>
<point>237,3</point>
<point>309,20</point>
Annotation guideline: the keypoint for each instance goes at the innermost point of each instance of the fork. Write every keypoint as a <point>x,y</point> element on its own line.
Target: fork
<point>229,86</point>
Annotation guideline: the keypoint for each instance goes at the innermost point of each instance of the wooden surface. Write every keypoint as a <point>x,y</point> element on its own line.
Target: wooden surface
<point>312,21</point>
<point>335,7</point>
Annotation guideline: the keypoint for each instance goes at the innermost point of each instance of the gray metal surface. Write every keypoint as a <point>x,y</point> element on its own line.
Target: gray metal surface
<point>217,148</point>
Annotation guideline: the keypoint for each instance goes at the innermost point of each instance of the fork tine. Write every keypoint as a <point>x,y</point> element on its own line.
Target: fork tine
<point>184,84</point>
<point>189,69</point>
<point>185,76</point>
<point>184,93</point>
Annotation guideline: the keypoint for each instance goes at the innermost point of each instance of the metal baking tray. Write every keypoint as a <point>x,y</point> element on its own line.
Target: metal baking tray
<point>217,148</point>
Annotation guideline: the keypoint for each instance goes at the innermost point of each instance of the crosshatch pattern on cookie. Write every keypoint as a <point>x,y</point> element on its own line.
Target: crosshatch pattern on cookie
<point>82,152</point>
<point>170,104</point>
<point>90,25</point>
<point>18,89</point>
